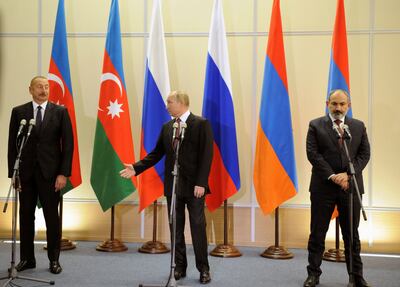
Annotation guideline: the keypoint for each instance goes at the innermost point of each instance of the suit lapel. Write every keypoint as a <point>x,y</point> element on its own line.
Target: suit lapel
<point>331,132</point>
<point>170,134</point>
<point>29,111</point>
<point>189,123</point>
<point>47,115</point>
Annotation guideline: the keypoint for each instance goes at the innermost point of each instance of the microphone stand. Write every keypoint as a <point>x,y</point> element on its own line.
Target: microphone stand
<point>352,174</point>
<point>15,187</point>
<point>172,222</point>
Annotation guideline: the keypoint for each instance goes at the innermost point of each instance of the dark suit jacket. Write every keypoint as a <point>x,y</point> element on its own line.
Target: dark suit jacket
<point>51,150</point>
<point>195,155</point>
<point>326,156</point>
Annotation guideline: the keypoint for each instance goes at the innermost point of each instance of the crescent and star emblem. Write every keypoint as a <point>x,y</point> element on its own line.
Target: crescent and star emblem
<point>114,108</point>
<point>55,78</point>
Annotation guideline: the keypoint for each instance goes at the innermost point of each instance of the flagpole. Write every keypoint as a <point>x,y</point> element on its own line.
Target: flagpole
<point>112,244</point>
<point>154,246</point>
<point>276,251</point>
<point>225,249</point>
<point>65,243</point>
<point>335,254</point>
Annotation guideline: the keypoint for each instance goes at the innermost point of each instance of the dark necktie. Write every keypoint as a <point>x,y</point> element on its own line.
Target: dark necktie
<point>39,118</point>
<point>177,134</point>
<point>339,123</point>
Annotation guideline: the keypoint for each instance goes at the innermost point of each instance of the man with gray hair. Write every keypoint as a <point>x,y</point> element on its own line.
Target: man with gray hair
<point>330,183</point>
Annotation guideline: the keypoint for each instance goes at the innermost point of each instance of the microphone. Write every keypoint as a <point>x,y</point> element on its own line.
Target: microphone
<point>183,128</point>
<point>335,127</point>
<point>347,130</point>
<point>32,123</point>
<point>175,127</point>
<point>21,126</point>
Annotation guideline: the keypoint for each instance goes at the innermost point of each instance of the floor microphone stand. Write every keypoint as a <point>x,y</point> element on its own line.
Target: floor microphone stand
<point>15,187</point>
<point>172,222</point>
<point>352,174</point>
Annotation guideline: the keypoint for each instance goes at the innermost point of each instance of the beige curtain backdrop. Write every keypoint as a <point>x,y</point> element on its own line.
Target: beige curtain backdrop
<point>26,31</point>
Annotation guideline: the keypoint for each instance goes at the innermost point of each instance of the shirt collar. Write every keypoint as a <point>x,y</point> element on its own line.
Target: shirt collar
<point>43,105</point>
<point>333,119</point>
<point>185,116</point>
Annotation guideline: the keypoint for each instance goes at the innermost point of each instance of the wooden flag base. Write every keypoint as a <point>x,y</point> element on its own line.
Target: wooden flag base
<point>277,252</point>
<point>334,255</point>
<point>153,247</point>
<point>225,250</point>
<point>111,246</point>
<point>65,244</point>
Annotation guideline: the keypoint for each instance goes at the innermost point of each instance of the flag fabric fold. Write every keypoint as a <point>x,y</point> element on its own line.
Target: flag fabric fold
<point>156,90</point>
<point>113,143</point>
<point>61,88</point>
<point>339,64</point>
<point>224,180</point>
<point>275,179</point>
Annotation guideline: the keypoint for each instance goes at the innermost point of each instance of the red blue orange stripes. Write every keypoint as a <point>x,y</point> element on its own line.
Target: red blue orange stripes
<point>339,64</point>
<point>275,179</point>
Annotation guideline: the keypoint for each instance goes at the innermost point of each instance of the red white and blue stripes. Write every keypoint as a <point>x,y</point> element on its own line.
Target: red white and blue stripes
<point>218,108</point>
<point>156,90</point>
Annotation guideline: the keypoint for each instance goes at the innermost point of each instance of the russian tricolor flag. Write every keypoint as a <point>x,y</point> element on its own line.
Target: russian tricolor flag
<point>61,88</point>
<point>156,90</point>
<point>339,64</point>
<point>224,180</point>
<point>275,179</point>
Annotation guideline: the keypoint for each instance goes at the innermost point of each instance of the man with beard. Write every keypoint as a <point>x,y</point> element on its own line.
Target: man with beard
<point>330,183</point>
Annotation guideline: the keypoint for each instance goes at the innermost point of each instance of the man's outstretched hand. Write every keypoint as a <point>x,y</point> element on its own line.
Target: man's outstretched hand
<point>128,172</point>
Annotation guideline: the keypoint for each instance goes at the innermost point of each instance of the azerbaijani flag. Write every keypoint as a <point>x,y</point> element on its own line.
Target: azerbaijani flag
<point>156,90</point>
<point>224,179</point>
<point>275,179</point>
<point>61,88</point>
<point>339,64</point>
<point>113,143</point>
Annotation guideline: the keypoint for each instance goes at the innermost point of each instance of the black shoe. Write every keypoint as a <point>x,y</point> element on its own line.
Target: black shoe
<point>178,274</point>
<point>311,281</point>
<point>360,282</point>
<point>55,267</point>
<point>205,277</point>
<point>25,264</point>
